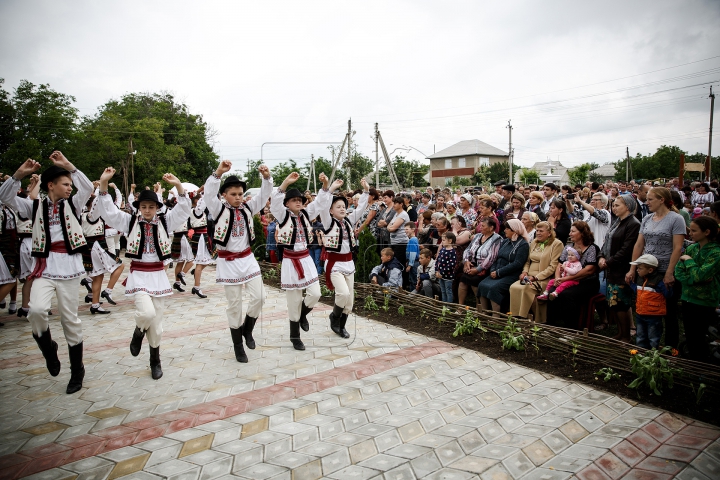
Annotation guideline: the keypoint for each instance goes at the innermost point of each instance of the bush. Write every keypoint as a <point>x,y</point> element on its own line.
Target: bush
<point>367,256</point>
<point>258,245</point>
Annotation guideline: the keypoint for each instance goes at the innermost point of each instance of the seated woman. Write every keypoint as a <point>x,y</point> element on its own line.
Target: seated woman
<point>540,267</point>
<point>559,219</point>
<point>478,257</point>
<point>530,220</point>
<point>512,255</point>
<point>565,311</point>
<point>516,207</point>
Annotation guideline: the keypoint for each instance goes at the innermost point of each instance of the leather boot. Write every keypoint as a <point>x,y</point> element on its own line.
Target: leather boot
<point>136,342</point>
<point>304,310</point>
<point>335,319</point>
<point>77,369</point>
<point>237,338</point>
<point>247,330</point>
<point>295,336</point>
<point>341,325</point>
<point>155,367</point>
<point>49,348</point>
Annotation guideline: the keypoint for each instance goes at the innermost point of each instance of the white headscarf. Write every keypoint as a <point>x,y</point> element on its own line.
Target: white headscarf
<point>519,230</point>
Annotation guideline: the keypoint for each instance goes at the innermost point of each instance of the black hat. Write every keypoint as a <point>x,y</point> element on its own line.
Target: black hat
<point>293,193</point>
<point>51,174</point>
<point>341,198</point>
<point>500,183</point>
<point>147,196</point>
<point>232,181</point>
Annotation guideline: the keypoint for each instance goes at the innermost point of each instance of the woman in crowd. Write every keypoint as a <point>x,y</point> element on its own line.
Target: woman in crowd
<point>478,257</point>
<point>613,192</point>
<point>398,237</point>
<point>565,310</point>
<point>451,210</point>
<point>486,209</point>
<point>372,213</point>
<point>466,208</point>
<point>662,234</point>
<point>535,204</point>
<point>462,240</point>
<point>516,207</point>
<point>559,219</point>
<point>440,203</point>
<point>540,267</point>
<point>615,256</point>
<point>512,255</point>
<point>530,220</point>
<point>385,217</point>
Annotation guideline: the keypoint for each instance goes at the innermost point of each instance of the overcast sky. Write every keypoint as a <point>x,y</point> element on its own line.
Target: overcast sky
<point>580,80</point>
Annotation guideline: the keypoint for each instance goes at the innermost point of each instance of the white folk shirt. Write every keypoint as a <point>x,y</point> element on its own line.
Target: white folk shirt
<point>346,268</point>
<point>155,284</point>
<point>59,266</point>
<point>240,270</point>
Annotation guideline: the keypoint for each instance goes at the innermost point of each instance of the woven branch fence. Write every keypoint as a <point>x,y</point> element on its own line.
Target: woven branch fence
<point>591,347</point>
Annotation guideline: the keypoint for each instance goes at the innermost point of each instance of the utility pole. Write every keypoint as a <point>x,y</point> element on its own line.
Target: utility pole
<point>510,155</point>
<point>709,157</point>
<point>312,173</point>
<point>377,157</point>
<point>349,158</point>
<point>627,164</point>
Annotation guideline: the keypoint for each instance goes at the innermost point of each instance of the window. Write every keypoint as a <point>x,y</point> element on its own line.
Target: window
<point>461,163</point>
<point>483,162</point>
<point>448,163</point>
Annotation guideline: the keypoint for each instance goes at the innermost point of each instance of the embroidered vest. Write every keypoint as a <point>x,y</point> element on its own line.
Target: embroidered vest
<point>5,214</point>
<point>92,229</point>
<point>136,239</point>
<point>71,230</point>
<point>286,231</point>
<point>197,222</point>
<point>333,237</point>
<point>226,220</point>
<point>23,225</point>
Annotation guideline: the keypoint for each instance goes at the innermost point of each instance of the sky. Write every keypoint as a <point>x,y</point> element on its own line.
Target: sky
<point>579,81</point>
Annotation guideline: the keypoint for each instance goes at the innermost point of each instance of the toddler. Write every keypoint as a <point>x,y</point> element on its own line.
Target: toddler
<point>570,267</point>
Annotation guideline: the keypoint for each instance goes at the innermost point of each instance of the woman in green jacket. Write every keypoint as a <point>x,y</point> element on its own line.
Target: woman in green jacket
<point>699,273</point>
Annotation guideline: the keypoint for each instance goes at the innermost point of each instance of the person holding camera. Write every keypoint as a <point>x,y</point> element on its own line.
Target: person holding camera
<point>596,215</point>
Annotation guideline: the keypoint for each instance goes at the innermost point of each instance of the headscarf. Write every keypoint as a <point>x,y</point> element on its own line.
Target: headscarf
<point>467,197</point>
<point>519,230</point>
<point>630,203</point>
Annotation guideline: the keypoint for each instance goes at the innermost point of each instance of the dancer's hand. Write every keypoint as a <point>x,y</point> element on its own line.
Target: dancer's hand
<point>223,168</point>
<point>264,171</point>
<point>28,166</point>
<point>365,185</point>
<point>59,160</point>
<point>105,177</point>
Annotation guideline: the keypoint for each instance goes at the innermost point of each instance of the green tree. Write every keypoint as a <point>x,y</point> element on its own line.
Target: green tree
<point>36,121</point>
<point>252,176</point>
<point>260,242</point>
<point>481,175</point>
<point>529,176</point>
<point>579,174</point>
<point>282,170</point>
<point>499,171</point>
<point>664,163</point>
<point>410,173</point>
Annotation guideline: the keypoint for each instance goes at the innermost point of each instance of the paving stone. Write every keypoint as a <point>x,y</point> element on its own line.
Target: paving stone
<point>425,465</point>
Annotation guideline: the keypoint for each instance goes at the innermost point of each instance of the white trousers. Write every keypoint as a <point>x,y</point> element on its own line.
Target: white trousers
<point>344,285</point>
<point>295,300</point>
<point>149,316</point>
<point>113,243</point>
<point>256,295</point>
<point>67,298</point>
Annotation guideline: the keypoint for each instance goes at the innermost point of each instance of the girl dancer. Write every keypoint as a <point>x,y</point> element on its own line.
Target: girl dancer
<point>199,243</point>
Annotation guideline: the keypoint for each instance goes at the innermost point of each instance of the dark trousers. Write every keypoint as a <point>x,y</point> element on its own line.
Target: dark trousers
<point>672,326</point>
<point>696,320</point>
<point>399,249</point>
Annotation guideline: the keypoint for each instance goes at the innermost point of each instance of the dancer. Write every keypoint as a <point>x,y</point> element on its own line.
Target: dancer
<point>199,242</point>
<point>112,236</point>
<point>57,240</point>
<point>182,254</point>
<point>149,248</point>
<point>340,244</point>
<point>27,261</point>
<point>294,233</point>
<point>9,251</point>
<point>236,264</point>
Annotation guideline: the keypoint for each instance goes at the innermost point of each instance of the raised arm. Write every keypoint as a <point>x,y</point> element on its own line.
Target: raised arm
<point>212,187</point>
<point>104,207</point>
<point>9,188</point>
<point>325,216</point>
<point>180,214</point>
<point>118,195</point>
<point>257,203</point>
<point>323,201</point>
<point>356,214</point>
<point>82,183</point>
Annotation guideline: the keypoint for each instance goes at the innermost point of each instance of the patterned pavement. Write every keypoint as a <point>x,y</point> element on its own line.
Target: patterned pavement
<point>385,403</point>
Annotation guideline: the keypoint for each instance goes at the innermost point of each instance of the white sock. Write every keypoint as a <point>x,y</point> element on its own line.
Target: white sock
<point>108,291</point>
<point>95,305</point>
<point>12,304</point>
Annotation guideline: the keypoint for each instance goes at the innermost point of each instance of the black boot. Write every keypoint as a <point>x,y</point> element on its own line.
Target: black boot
<point>49,348</point>
<point>341,324</point>
<point>136,342</point>
<point>335,319</point>
<point>77,369</point>
<point>295,336</point>
<point>237,338</point>
<point>177,287</point>
<point>304,310</point>
<point>247,330</point>
<point>87,283</point>
<point>155,367</point>
<point>198,292</point>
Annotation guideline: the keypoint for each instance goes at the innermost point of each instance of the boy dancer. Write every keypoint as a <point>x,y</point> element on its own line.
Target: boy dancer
<point>294,233</point>
<point>27,261</point>
<point>340,244</point>
<point>57,239</point>
<point>149,248</point>
<point>236,264</point>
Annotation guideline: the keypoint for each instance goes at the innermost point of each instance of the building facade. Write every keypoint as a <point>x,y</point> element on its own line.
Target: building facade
<point>462,160</point>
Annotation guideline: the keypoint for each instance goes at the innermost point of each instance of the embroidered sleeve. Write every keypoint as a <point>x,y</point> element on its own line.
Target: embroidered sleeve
<point>84,189</point>
<point>257,203</point>
<point>212,187</point>
<point>113,216</point>
<point>603,216</point>
<point>277,208</point>
<point>180,214</point>
<point>218,177</point>
<point>8,196</point>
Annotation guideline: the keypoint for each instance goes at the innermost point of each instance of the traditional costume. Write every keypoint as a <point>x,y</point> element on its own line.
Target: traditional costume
<point>149,248</point>
<point>57,242</point>
<point>236,265</point>
<point>298,271</point>
<point>199,242</point>
<point>341,245</point>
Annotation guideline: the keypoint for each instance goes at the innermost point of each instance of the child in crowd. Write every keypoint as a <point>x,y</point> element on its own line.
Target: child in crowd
<point>427,281</point>
<point>570,267</point>
<point>650,301</point>
<point>389,272</point>
<point>698,272</point>
<point>412,252</point>
<point>270,243</point>
<point>315,246</point>
<point>445,266</point>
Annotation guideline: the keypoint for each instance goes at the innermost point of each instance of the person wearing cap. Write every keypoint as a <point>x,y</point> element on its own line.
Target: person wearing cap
<point>507,192</point>
<point>57,242</point>
<point>294,233</point>
<point>148,245</point>
<point>340,244</point>
<point>650,306</point>
<point>237,268</point>
<point>499,186</point>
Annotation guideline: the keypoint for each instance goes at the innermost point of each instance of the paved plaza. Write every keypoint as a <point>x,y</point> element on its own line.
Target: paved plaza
<point>385,403</point>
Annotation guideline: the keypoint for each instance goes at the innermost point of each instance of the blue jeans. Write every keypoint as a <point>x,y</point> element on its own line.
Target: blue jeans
<point>315,253</point>
<point>412,275</point>
<point>649,330</point>
<point>446,289</point>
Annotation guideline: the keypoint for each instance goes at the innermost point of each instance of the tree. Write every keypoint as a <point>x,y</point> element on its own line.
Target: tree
<point>482,175</point>
<point>410,173</point>
<point>36,121</point>
<point>529,176</point>
<point>260,241</point>
<point>664,163</point>
<point>499,171</point>
<point>579,174</point>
